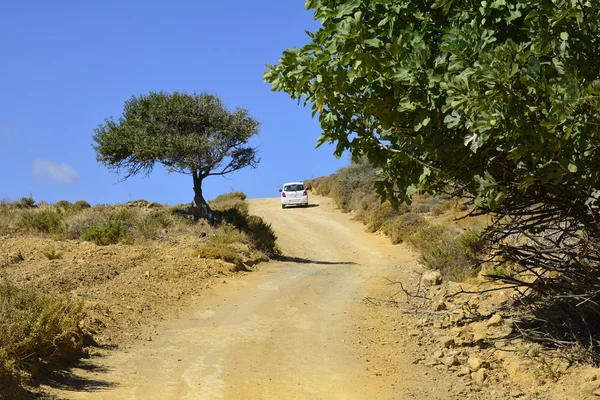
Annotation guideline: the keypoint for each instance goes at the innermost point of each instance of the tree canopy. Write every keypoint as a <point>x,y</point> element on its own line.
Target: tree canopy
<point>187,133</point>
<point>497,99</point>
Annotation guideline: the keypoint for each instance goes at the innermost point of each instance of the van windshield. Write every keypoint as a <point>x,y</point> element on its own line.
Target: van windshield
<point>293,188</point>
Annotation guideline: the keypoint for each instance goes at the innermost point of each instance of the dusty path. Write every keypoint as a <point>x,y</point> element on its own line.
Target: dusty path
<point>284,332</point>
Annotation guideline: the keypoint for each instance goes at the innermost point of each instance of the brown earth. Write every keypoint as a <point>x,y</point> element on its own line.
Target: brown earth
<point>317,324</point>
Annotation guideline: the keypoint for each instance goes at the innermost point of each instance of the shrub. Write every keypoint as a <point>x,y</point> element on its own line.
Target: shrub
<point>352,183</point>
<point>63,204</point>
<point>233,200</point>
<point>261,235</point>
<point>36,328</point>
<point>26,202</point>
<point>401,227</point>
<point>104,234</point>
<point>449,251</point>
<point>228,234</point>
<point>44,221</point>
<point>376,216</point>
<point>53,254</point>
<point>81,205</point>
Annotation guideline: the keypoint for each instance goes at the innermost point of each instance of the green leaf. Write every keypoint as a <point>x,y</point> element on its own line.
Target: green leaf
<point>347,7</point>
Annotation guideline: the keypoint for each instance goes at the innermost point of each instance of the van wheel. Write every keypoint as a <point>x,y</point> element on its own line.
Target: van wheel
<point>283,206</point>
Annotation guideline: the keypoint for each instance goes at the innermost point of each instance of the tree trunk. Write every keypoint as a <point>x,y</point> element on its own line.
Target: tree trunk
<point>204,210</point>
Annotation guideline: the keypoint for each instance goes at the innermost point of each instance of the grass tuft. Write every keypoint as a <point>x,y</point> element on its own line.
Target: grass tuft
<point>35,329</point>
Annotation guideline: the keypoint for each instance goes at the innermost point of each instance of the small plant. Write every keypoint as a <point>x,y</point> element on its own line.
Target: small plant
<point>43,221</point>
<point>53,254</point>
<point>104,234</point>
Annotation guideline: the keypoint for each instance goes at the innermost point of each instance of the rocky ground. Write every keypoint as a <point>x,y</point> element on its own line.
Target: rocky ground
<point>467,342</point>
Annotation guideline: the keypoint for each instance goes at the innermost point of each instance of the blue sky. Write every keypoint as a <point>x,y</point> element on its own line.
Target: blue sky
<point>67,65</point>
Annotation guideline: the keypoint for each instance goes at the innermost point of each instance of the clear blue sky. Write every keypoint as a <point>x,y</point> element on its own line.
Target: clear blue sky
<point>66,65</point>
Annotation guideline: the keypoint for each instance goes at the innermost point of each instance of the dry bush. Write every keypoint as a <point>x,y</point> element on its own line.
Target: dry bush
<point>224,245</point>
<point>352,183</point>
<point>35,328</point>
<point>229,201</point>
<point>453,253</point>
<point>422,208</point>
<point>322,185</point>
<point>376,216</point>
<point>81,205</point>
<point>53,254</point>
<point>9,220</point>
<point>399,228</point>
<point>63,205</point>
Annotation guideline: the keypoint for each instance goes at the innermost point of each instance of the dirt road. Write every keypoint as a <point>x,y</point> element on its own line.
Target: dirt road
<point>287,331</point>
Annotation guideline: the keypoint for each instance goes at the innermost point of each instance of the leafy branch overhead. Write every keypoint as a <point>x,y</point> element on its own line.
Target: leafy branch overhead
<point>187,133</point>
<point>496,95</point>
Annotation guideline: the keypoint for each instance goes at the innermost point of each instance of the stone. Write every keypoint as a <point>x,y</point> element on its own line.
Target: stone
<point>431,278</point>
<point>464,371</point>
<point>596,392</point>
<point>432,362</point>
<point>439,306</point>
<point>479,376</point>
<point>438,354</point>
<point>476,363</point>
<point>450,361</point>
<point>496,320</point>
<point>414,332</point>
<point>447,342</point>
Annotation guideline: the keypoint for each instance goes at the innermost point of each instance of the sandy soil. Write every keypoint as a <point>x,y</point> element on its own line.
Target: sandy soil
<point>298,328</point>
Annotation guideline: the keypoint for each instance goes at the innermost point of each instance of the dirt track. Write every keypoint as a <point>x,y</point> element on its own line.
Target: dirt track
<point>288,331</point>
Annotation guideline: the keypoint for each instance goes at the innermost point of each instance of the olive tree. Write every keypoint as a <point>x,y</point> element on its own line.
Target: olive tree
<point>498,100</point>
<point>194,134</point>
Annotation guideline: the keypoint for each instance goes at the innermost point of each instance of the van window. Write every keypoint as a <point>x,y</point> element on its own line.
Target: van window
<point>293,188</point>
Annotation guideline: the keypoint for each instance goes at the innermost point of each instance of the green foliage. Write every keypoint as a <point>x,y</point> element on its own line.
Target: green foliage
<point>188,133</point>
<point>400,228</point>
<point>105,234</point>
<point>506,88</point>
<point>261,235</point>
<point>53,254</point>
<point>43,221</point>
<point>36,328</point>
<point>26,202</point>
<point>451,252</point>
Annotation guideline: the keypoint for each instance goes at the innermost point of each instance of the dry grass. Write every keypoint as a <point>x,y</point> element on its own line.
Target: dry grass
<point>34,329</point>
